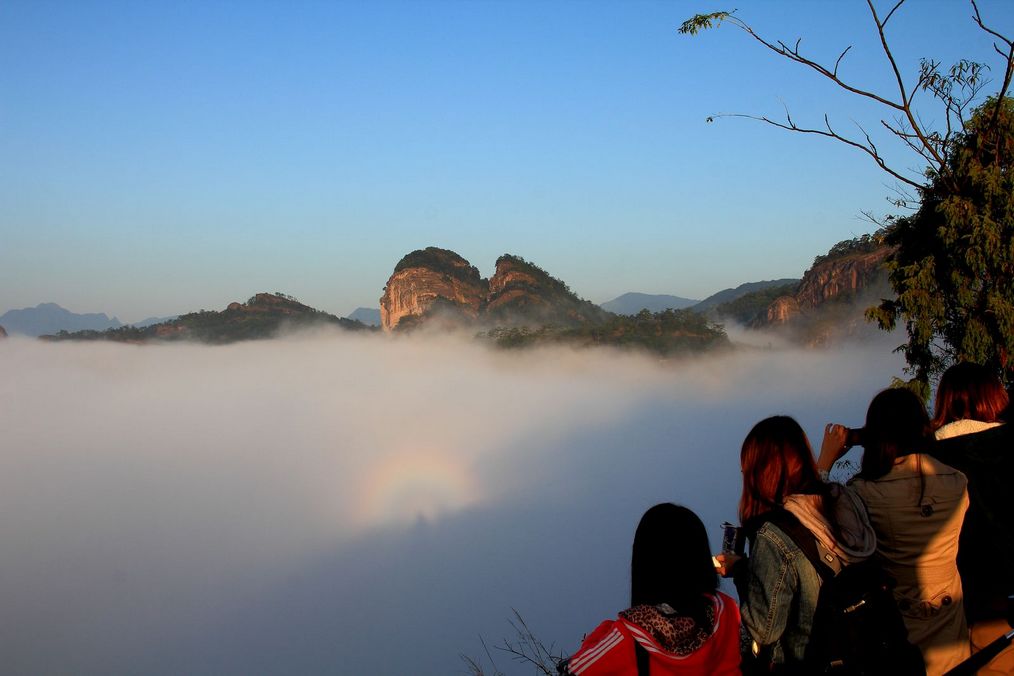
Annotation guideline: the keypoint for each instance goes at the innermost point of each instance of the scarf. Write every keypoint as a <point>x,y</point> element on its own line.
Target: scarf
<point>857,539</point>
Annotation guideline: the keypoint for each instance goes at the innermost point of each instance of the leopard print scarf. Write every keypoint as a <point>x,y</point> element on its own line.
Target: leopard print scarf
<point>673,632</point>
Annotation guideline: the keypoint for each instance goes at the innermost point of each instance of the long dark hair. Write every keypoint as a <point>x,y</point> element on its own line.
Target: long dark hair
<point>896,424</point>
<point>971,391</point>
<point>777,461</point>
<point>671,562</point>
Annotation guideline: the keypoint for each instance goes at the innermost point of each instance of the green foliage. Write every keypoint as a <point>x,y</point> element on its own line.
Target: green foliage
<point>665,333</point>
<point>953,266</point>
<point>440,260</point>
<point>700,22</point>
<point>863,244</point>
<point>749,307</point>
<point>953,271</point>
<point>263,316</point>
<point>533,297</point>
<point>545,281</point>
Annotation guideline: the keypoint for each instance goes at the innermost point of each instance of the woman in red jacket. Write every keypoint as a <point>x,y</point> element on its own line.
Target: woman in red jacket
<point>678,622</point>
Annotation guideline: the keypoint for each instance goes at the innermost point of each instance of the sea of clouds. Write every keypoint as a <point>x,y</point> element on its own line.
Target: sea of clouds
<point>328,503</point>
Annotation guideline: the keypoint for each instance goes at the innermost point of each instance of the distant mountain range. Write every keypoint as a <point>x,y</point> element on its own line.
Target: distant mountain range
<point>632,303</point>
<point>522,304</point>
<point>367,315</point>
<point>263,316</point>
<point>727,295</point>
<point>151,321</point>
<point>47,318</point>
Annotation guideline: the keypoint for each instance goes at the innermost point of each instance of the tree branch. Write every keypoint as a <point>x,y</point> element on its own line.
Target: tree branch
<point>840,57</point>
<point>869,149</point>
<point>956,90</point>
<point>793,55</point>
<point>893,9</point>
<point>907,108</point>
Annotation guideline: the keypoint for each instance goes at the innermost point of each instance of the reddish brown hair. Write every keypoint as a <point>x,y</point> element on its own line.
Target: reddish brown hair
<point>969,391</point>
<point>777,461</point>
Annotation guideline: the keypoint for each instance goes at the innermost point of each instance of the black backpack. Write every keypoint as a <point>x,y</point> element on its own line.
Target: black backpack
<point>857,627</point>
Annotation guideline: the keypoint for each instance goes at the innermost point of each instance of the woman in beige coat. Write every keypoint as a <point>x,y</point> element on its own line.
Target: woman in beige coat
<point>916,505</point>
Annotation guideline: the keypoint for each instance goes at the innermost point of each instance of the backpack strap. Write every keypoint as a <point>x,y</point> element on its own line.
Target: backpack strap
<point>643,665</point>
<point>804,539</point>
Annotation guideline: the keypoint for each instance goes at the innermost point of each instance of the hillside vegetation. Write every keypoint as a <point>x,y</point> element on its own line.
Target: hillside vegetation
<point>670,332</point>
<point>262,316</point>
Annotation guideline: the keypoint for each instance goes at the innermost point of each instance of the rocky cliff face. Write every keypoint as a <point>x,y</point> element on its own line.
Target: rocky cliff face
<point>436,282</point>
<point>509,282</point>
<point>521,293</point>
<point>845,276</point>
<point>427,277</point>
<point>782,310</point>
<point>830,301</point>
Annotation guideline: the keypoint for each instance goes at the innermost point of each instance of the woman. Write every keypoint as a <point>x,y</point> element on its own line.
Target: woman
<point>969,399</point>
<point>678,622</point>
<point>916,505</point>
<point>778,585</point>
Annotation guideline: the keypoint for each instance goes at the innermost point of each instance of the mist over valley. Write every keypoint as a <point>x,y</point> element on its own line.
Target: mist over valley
<point>252,481</point>
<point>336,502</point>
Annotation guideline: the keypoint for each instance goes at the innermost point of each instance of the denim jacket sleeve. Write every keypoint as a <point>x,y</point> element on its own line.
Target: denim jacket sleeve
<point>770,584</point>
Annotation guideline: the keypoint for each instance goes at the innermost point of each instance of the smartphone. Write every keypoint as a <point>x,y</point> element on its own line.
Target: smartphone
<point>730,538</point>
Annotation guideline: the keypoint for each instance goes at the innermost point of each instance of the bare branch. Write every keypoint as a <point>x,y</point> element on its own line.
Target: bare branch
<point>840,57</point>
<point>793,54</point>
<point>982,25</point>
<point>529,649</point>
<point>955,91</point>
<point>792,126</point>
<point>893,9</point>
<point>906,109</point>
<point>1009,55</point>
<point>1007,74</point>
<point>924,79</point>
<point>904,199</point>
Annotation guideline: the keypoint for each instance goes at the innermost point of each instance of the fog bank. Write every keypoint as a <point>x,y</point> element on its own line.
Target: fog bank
<point>343,504</point>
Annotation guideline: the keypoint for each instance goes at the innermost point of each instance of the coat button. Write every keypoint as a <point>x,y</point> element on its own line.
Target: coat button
<point>927,510</point>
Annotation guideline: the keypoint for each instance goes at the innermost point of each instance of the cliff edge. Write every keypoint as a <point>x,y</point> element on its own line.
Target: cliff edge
<point>437,284</point>
<point>431,279</point>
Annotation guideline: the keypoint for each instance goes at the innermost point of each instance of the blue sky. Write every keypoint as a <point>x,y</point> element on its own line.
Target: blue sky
<point>163,157</point>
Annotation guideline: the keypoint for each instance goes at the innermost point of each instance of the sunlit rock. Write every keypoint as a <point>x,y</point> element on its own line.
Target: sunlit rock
<point>427,277</point>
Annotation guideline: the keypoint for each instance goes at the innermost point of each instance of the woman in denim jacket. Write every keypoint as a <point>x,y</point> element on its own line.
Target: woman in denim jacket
<point>778,586</point>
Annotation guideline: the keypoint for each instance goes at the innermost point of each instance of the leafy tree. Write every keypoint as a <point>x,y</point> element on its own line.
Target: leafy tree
<point>666,333</point>
<point>953,268</point>
<point>866,243</point>
<point>441,260</point>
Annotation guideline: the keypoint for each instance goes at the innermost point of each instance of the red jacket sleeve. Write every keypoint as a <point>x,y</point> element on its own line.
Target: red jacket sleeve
<point>604,651</point>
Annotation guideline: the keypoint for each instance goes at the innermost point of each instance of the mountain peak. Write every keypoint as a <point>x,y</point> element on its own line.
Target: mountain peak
<point>432,281</point>
<point>631,303</point>
<point>49,318</point>
<point>262,316</point>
